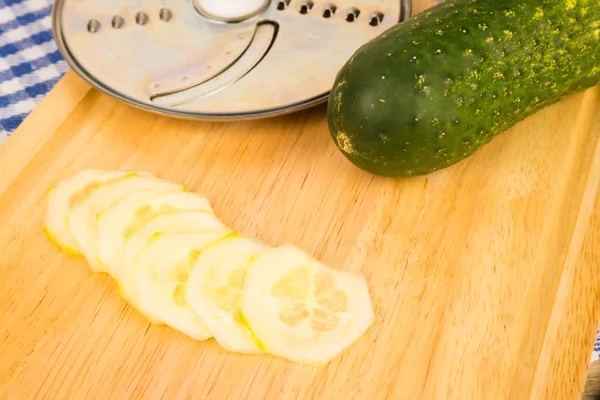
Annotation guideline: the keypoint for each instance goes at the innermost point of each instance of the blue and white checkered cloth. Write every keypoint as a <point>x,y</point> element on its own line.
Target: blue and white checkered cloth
<point>30,65</point>
<point>596,353</point>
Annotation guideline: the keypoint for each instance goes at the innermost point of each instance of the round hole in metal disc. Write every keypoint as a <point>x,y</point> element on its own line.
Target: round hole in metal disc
<point>306,7</point>
<point>329,11</point>
<point>117,22</point>
<point>141,18</point>
<point>165,14</point>
<point>376,19</point>
<point>352,15</point>
<point>93,26</point>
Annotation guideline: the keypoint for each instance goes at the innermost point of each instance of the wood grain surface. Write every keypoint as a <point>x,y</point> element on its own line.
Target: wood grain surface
<point>484,276</point>
<point>592,383</point>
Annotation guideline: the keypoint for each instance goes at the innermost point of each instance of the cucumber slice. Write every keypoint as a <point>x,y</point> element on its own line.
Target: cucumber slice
<point>163,268</point>
<point>302,310</point>
<point>82,222</point>
<point>66,196</point>
<point>178,222</point>
<point>214,290</point>
<point>129,214</point>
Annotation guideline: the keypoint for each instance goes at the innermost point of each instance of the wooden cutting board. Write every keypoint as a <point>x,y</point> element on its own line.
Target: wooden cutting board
<point>484,276</point>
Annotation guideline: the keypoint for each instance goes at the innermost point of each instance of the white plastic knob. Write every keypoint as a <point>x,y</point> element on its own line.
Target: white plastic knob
<point>230,9</point>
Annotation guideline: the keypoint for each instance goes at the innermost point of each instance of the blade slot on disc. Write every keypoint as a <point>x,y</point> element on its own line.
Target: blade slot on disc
<point>265,34</point>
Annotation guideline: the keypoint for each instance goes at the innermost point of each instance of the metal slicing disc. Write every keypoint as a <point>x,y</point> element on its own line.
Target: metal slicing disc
<point>175,57</point>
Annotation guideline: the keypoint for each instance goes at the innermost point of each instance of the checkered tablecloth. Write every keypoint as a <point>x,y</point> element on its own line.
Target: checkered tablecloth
<point>30,65</point>
<point>596,353</point>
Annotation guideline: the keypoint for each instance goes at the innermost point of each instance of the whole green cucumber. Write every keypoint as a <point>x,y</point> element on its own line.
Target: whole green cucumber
<point>431,91</point>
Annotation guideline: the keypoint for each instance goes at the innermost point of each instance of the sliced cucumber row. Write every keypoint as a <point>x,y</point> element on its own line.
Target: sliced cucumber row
<point>179,265</point>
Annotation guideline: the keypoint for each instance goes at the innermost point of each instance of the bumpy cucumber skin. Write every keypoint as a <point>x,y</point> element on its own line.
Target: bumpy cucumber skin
<point>431,91</point>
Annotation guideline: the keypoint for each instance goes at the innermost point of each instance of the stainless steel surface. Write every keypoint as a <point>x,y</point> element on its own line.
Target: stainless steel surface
<point>165,56</point>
